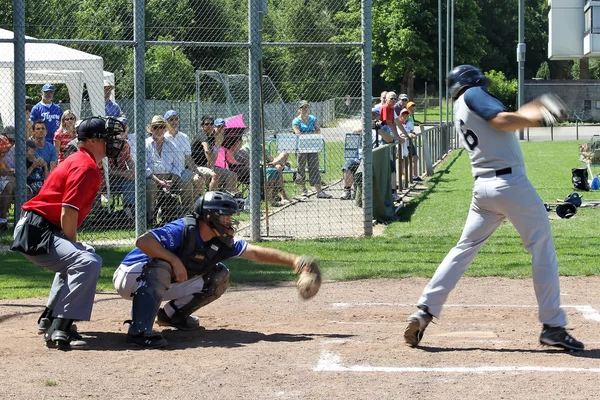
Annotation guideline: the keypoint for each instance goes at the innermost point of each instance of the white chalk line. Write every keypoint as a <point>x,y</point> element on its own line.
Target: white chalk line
<point>587,311</point>
<point>329,362</point>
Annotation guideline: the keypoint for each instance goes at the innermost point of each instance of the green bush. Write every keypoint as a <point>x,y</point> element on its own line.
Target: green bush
<point>502,88</point>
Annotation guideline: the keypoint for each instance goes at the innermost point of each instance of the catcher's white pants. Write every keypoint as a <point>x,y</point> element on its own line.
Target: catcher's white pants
<point>496,198</point>
<point>125,281</point>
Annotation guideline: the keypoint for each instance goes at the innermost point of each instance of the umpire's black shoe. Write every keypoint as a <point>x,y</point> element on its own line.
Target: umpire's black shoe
<point>558,336</point>
<point>63,335</point>
<point>146,340</point>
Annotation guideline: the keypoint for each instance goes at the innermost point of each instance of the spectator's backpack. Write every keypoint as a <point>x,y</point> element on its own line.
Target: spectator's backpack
<point>580,178</point>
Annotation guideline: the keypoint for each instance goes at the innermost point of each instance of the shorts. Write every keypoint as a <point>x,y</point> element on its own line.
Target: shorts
<point>351,165</point>
<point>272,174</point>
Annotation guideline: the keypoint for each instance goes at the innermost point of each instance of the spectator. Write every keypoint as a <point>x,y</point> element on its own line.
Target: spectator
<point>37,170</point>
<point>70,149</point>
<point>7,183</point>
<point>382,102</point>
<point>48,112</point>
<point>111,109</point>
<point>65,133</point>
<point>412,106</point>
<point>28,122</point>
<point>9,132</point>
<point>202,155</point>
<point>226,178</point>
<point>44,150</point>
<point>306,123</point>
<point>402,103</point>
<point>163,171</point>
<point>122,173</point>
<point>388,115</point>
<point>404,114</point>
<point>183,146</point>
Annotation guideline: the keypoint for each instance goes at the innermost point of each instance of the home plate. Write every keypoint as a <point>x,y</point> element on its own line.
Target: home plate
<point>469,334</point>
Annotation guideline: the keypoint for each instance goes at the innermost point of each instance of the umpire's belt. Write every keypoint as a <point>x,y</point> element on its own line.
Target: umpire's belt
<point>504,171</point>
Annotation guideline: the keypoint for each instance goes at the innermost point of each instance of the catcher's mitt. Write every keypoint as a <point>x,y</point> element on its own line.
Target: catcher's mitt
<point>309,277</point>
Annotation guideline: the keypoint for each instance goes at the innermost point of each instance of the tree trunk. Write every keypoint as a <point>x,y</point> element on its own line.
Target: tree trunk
<point>584,68</point>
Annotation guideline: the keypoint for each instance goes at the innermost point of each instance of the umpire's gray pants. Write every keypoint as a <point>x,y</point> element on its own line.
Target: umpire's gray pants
<point>77,272</point>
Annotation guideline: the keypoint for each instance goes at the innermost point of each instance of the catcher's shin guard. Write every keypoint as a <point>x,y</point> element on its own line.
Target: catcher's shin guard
<point>216,283</point>
<point>155,279</point>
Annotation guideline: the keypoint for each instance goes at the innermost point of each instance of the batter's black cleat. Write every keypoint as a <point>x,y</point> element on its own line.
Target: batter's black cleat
<point>146,340</point>
<point>413,333</point>
<point>558,336</point>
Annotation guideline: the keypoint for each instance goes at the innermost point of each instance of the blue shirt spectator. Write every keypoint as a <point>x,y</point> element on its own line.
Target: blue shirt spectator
<point>48,112</point>
<point>111,109</point>
<point>305,127</point>
<point>44,149</point>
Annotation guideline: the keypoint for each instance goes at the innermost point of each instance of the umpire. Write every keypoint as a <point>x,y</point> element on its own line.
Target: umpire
<point>46,234</point>
<point>181,263</point>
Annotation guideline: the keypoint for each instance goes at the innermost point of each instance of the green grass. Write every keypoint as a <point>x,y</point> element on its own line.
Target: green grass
<point>413,245</point>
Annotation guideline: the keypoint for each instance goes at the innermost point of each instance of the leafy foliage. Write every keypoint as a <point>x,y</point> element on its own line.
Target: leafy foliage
<point>504,89</point>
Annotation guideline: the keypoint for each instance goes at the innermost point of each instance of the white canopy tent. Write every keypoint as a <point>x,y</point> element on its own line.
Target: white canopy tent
<point>53,63</point>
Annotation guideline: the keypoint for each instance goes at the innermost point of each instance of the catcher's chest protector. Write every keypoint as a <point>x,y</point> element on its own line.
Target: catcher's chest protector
<point>199,260</point>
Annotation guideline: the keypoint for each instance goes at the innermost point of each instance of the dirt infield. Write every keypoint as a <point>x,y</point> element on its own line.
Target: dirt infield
<point>265,343</point>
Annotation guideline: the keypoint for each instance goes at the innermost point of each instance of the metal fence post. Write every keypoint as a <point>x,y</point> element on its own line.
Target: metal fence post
<point>139,107</point>
<point>367,90</point>
<point>254,60</point>
<point>19,92</point>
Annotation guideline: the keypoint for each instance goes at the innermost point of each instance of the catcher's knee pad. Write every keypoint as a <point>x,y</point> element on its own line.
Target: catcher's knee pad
<point>216,283</point>
<point>154,281</point>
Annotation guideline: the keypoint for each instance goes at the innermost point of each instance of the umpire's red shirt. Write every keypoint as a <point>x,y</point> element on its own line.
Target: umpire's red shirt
<point>74,183</point>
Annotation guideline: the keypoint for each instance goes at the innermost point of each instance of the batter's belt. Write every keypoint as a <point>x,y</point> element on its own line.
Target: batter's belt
<point>503,171</point>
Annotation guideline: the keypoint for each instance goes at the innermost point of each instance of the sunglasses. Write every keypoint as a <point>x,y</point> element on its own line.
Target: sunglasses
<point>208,123</point>
<point>70,119</point>
<point>393,98</point>
<point>173,119</point>
<point>158,127</point>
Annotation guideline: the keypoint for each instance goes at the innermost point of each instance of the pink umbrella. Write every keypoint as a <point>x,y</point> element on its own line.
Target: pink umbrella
<point>235,122</point>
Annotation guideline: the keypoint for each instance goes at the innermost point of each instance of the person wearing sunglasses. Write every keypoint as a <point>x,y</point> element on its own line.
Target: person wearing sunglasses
<point>65,133</point>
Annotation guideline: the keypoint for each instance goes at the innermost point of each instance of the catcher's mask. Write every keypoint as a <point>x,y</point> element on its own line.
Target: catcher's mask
<point>566,210</point>
<point>211,207</point>
<point>108,128</point>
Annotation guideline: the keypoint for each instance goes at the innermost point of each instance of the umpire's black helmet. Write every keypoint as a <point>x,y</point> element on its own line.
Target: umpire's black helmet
<point>465,76</point>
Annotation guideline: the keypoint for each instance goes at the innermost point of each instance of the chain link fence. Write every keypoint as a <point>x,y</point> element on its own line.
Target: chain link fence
<point>261,99</point>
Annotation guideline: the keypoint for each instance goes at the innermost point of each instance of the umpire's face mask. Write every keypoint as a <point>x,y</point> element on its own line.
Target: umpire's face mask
<point>114,145</point>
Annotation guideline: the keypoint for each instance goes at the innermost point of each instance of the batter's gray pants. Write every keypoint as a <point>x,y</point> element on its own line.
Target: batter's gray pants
<point>77,272</point>
<point>494,200</point>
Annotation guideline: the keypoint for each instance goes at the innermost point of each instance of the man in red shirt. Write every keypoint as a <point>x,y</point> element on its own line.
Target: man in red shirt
<point>46,234</point>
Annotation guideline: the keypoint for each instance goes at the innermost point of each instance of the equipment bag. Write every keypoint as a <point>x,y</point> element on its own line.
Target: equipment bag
<point>580,178</point>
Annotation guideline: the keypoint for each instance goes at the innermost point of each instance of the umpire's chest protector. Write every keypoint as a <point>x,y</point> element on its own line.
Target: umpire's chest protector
<point>198,259</point>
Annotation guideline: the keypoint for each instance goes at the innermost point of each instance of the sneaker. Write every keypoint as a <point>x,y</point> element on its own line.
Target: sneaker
<point>305,192</point>
<point>558,336</point>
<point>191,323</point>
<point>147,340</point>
<point>347,195</point>
<point>417,179</point>
<point>413,333</point>
<point>322,195</point>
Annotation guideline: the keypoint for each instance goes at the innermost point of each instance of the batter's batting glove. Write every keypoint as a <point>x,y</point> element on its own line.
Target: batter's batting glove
<point>553,109</point>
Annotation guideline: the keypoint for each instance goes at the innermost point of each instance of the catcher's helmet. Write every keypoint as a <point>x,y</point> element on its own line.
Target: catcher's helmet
<point>566,210</point>
<point>210,207</point>
<point>465,76</point>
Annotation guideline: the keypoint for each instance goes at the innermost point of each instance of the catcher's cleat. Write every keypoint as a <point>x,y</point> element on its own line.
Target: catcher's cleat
<point>190,323</point>
<point>558,336</point>
<point>417,323</point>
<point>146,340</point>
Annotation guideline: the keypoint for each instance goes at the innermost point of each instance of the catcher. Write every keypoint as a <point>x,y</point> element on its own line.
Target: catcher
<point>181,263</point>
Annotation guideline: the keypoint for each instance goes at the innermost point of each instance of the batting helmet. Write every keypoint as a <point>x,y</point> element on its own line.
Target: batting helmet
<point>574,198</point>
<point>465,76</point>
<point>210,207</point>
<point>566,210</point>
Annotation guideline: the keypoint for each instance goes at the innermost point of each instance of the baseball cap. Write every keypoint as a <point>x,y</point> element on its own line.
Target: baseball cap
<point>91,128</point>
<point>9,131</point>
<point>169,114</point>
<point>219,122</point>
<point>410,104</point>
<point>403,96</point>
<point>47,87</point>
<point>108,83</point>
<point>404,110</point>
<point>123,120</point>
<point>303,103</point>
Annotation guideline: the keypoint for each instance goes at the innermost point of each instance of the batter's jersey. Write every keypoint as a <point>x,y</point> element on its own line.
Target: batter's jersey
<point>74,183</point>
<point>489,149</point>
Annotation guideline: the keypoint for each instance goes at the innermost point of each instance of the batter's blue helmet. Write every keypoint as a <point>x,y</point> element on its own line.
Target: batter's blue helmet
<point>465,76</point>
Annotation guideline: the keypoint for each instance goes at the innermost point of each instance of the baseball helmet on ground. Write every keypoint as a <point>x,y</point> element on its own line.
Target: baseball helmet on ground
<point>574,198</point>
<point>566,210</point>
<point>465,76</point>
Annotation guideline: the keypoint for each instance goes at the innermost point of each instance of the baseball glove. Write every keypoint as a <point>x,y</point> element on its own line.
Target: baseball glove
<point>309,277</point>
<point>553,109</point>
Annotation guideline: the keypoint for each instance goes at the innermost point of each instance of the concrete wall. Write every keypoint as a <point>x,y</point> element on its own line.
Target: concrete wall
<point>574,93</point>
